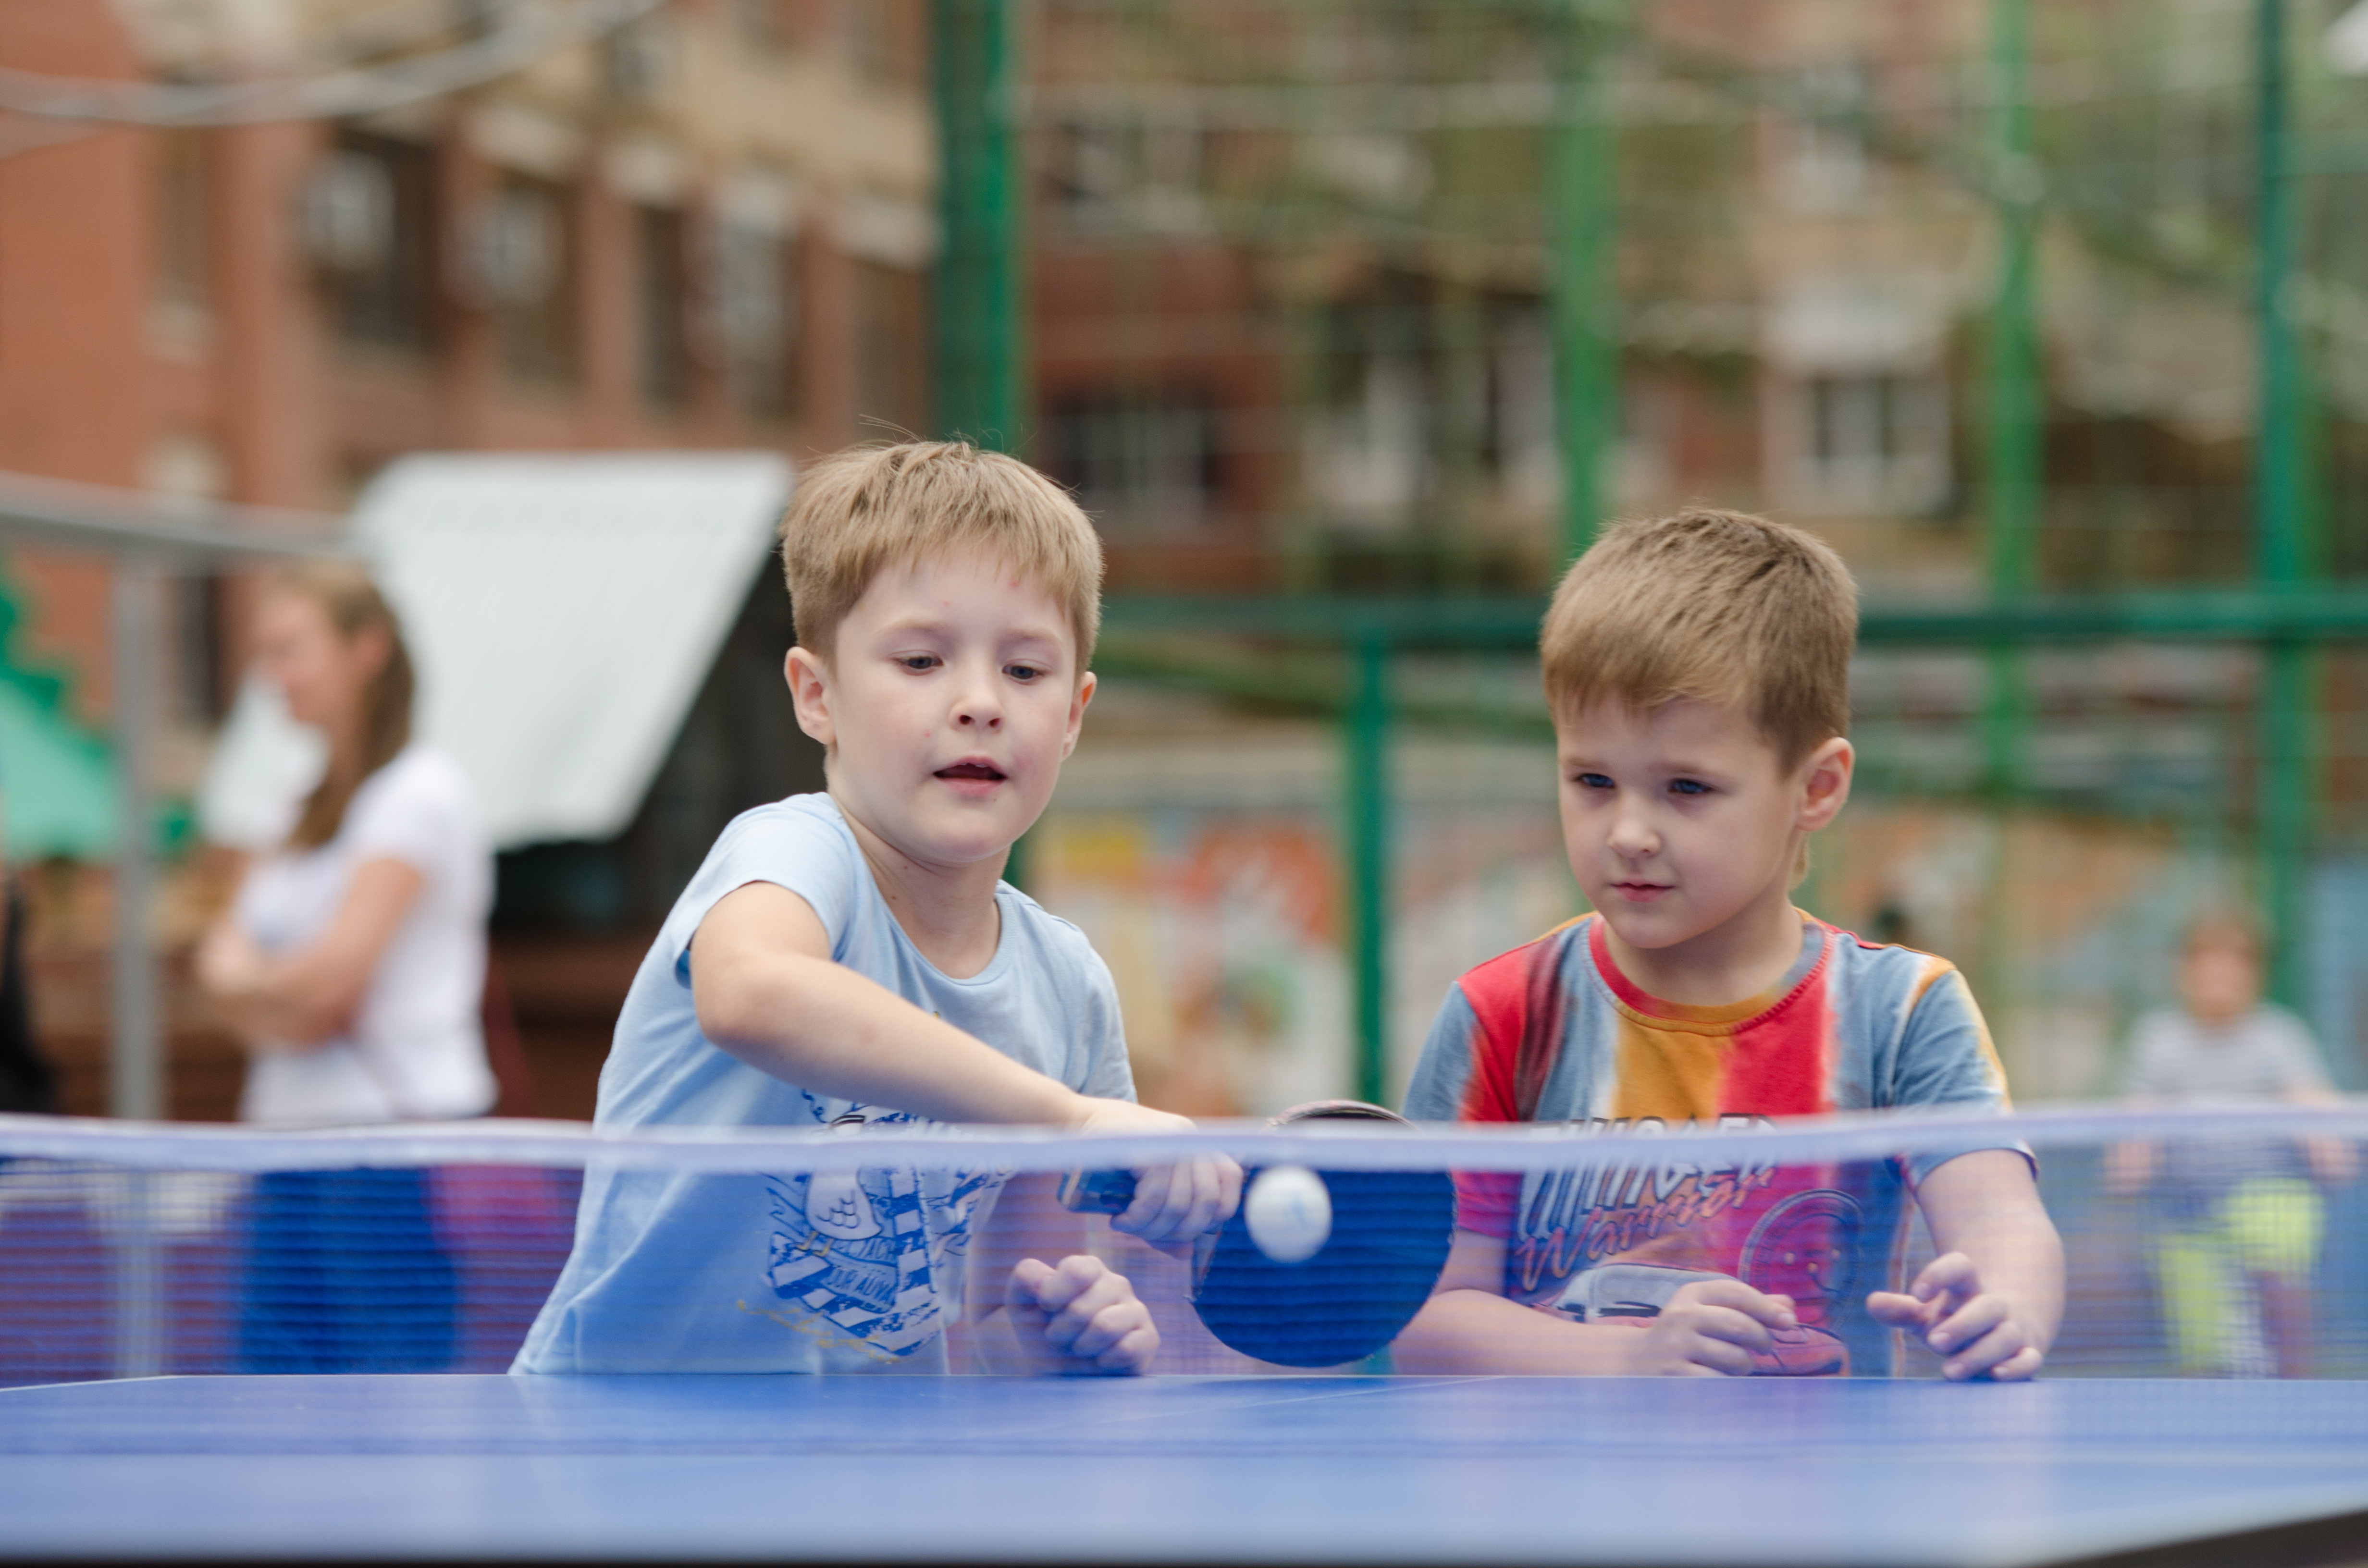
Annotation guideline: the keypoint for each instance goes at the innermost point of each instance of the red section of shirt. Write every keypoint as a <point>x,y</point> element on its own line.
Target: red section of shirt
<point>1520,1008</point>
<point>1775,1061</point>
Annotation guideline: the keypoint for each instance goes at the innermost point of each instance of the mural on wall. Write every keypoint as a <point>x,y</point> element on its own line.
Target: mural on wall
<point>1218,908</point>
<point>1224,936</point>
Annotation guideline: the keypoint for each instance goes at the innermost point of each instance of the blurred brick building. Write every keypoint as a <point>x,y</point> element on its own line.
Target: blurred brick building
<point>710,228</point>
<point>1300,284</point>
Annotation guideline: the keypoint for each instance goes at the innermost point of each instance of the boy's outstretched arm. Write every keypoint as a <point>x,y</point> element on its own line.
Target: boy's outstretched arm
<point>765,990</point>
<point>1470,1325</point>
<point>1991,1302</point>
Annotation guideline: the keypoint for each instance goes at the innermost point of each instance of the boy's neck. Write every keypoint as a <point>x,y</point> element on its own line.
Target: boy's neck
<point>1731,962</point>
<point>949,911</point>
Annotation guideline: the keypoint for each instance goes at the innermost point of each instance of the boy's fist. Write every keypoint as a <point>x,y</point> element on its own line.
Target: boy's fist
<point>1080,1317</point>
<point>1975,1331</point>
<point>1173,1204</point>
<point>1711,1328</point>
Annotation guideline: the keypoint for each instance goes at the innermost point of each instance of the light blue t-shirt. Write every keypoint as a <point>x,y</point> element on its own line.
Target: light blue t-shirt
<point>793,1272</point>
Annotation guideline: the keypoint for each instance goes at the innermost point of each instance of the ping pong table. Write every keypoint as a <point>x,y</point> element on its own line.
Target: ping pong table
<point>1185,1469</point>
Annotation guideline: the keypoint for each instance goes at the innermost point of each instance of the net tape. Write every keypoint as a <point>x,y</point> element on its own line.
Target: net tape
<point>1339,1145</point>
<point>128,1249</point>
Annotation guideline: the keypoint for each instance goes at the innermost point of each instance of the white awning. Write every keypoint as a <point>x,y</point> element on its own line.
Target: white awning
<point>563,611</point>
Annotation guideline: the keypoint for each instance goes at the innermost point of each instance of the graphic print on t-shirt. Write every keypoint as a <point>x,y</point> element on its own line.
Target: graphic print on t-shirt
<point>1613,1241</point>
<point>1616,1242</point>
<point>854,1249</point>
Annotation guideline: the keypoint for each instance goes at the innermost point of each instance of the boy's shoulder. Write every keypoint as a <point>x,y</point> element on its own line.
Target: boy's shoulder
<point>1518,979</point>
<point>816,813</point>
<point>797,833</point>
<point>1517,983</point>
<point>1057,940</point>
<point>1862,960</point>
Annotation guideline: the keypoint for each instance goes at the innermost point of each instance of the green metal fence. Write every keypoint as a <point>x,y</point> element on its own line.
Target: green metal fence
<point>2039,132</point>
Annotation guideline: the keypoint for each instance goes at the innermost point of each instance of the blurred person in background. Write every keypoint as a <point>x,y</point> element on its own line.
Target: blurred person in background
<point>27,1082</point>
<point>351,965</point>
<point>2239,1218</point>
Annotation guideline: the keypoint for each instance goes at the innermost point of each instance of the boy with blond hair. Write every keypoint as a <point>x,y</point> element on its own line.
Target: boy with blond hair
<point>1698,670</point>
<point>854,958</point>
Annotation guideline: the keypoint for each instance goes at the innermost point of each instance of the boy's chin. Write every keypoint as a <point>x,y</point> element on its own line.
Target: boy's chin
<point>967,838</point>
<point>1648,930</point>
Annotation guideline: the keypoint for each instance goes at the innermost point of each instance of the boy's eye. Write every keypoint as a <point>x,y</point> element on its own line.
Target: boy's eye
<point>1593,780</point>
<point>1022,673</point>
<point>919,660</point>
<point>1688,786</point>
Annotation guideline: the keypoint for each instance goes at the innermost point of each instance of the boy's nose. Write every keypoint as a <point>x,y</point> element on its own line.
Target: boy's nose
<point>978,707</point>
<point>1633,835</point>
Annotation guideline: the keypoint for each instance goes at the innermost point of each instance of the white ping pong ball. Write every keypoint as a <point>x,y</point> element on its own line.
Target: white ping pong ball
<point>1289,1213</point>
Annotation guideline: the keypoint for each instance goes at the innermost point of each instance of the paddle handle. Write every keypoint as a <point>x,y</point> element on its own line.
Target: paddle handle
<point>1098,1192</point>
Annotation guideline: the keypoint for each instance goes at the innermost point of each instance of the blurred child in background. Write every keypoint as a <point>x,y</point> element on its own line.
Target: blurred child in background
<point>2240,1218</point>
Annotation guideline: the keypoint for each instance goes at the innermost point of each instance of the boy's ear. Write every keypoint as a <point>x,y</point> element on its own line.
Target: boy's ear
<point>1826,783</point>
<point>1078,700</point>
<point>809,681</point>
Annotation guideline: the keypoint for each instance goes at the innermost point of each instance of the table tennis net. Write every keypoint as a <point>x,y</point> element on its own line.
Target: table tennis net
<point>2196,1244</point>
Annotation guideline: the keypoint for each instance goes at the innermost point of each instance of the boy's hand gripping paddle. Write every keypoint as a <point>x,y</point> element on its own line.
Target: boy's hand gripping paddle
<point>1388,1240</point>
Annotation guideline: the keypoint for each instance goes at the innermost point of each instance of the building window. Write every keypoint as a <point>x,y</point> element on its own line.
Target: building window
<point>1141,464</point>
<point>201,683</point>
<point>764,23</point>
<point>1101,173</point>
<point>1873,441</point>
<point>184,221</point>
<point>523,266</point>
<point>638,60</point>
<point>892,314</point>
<point>882,38</point>
<point>1370,445</point>
<point>662,275</point>
<point>756,307</point>
<point>1821,163</point>
<point>369,219</point>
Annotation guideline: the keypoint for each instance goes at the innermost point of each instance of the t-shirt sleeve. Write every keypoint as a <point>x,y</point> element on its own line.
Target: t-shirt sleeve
<point>414,812</point>
<point>1108,1073</point>
<point>2153,1044</point>
<point>2294,1051</point>
<point>1947,1065</point>
<point>1484,1201</point>
<point>799,851</point>
<point>1451,1054</point>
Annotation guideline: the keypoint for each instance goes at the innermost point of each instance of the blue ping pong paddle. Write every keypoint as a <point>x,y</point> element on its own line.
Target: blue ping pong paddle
<point>1391,1231</point>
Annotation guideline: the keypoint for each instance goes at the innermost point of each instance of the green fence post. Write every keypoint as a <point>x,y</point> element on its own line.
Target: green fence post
<point>982,363</point>
<point>981,359</point>
<point>2288,762</point>
<point>1582,208</point>
<point>1366,758</point>
<point>2013,390</point>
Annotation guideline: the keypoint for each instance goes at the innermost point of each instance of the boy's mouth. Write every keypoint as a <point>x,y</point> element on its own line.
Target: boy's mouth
<point>985,771</point>
<point>1640,892</point>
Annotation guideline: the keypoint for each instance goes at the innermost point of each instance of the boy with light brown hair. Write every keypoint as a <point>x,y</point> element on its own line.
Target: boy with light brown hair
<point>1698,671</point>
<point>854,958</point>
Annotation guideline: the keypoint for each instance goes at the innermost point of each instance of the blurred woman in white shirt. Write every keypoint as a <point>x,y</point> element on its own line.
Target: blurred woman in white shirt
<point>351,965</point>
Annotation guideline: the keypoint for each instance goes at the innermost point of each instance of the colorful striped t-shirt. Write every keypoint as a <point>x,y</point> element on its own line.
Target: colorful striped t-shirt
<point>1552,1031</point>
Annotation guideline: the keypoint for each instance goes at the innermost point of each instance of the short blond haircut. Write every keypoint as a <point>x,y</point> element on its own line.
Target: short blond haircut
<point>866,509</point>
<point>1719,606</point>
<point>2230,930</point>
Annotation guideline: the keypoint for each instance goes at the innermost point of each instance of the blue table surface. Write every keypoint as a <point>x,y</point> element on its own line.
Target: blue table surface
<point>1170,1469</point>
